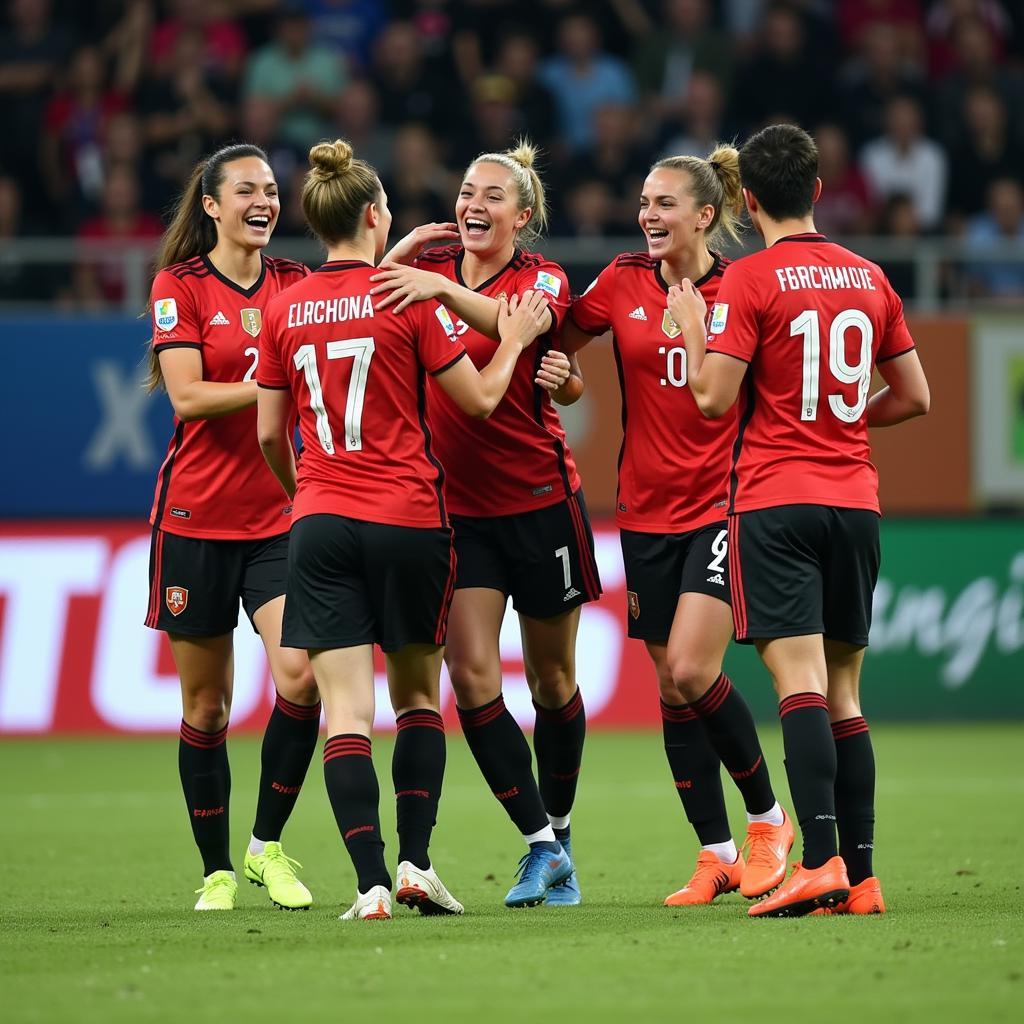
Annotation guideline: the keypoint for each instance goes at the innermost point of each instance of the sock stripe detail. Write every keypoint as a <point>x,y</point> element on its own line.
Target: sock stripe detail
<point>715,696</point>
<point>346,745</point>
<point>423,718</point>
<point>570,710</point>
<point>747,772</point>
<point>677,713</point>
<point>475,718</point>
<point>301,712</point>
<point>202,740</point>
<point>801,702</point>
<point>849,727</point>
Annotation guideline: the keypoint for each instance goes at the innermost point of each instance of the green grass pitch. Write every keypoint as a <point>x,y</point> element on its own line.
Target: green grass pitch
<point>96,921</point>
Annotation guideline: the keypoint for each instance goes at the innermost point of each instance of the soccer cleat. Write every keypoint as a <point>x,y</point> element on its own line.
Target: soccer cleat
<point>538,871</point>
<point>806,890</point>
<point>767,846</point>
<point>276,872</point>
<point>568,893</point>
<point>374,905</point>
<point>711,878</point>
<point>865,898</point>
<point>219,891</point>
<point>424,891</point>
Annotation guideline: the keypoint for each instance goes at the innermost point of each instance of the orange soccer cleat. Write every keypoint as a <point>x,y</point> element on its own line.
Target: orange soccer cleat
<point>710,880</point>
<point>865,898</point>
<point>806,890</point>
<point>767,846</point>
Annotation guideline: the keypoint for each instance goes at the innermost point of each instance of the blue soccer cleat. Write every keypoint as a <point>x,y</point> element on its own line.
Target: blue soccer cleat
<point>538,871</point>
<point>568,893</point>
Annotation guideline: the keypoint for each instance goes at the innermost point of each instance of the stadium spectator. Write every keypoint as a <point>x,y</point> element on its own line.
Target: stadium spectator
<point>350,26</point>
<point>100,282</point>
<point>358,121</point>
<point>221,46</point>
<point>898,220</point>
<point>590,210</point>
<point>946,19</point>
<point>518,61</point>
<point>904,160</point>
<point>220,519</point>
<point>259,124</point>
<point>300,76</point>
<point>856,19</point>
<point>19,281</point>
<point>700,122</point>
<point>1002,222</point>
<point>582,77</point>
<point>123,146</point>
<point>844,206</point>
<point>419,187</point>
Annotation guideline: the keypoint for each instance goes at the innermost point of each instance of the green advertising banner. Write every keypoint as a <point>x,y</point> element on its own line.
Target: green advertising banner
<point>947,640</point>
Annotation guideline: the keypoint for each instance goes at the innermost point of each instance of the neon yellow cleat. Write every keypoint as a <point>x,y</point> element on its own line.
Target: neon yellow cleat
<point>219,891</point>
<point>276,872</point>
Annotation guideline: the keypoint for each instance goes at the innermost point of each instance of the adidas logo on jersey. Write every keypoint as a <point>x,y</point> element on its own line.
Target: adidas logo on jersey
<point>638,314</point>
<point>220,320</point>
<point>717,578</point>
<point>570,594</point>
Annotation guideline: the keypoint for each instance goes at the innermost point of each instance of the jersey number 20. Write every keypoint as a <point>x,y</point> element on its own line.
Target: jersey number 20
<point>808,324</point>
<point>360,351</point>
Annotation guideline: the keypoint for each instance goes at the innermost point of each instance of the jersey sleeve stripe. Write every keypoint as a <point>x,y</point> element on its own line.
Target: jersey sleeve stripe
<point>273,387</point>
<point>162,346</point>
<point>448,365</point>
<point>895,355</point>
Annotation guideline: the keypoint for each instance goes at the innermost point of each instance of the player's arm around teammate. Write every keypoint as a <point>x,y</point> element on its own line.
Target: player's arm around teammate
<point>371,557</point>
<point>797,331</point>
<point>219,518</point>
<point>672,487</point>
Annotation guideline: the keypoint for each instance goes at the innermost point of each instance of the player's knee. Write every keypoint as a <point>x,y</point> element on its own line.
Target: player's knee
<point>553,684</point>
<point>295,682</point>
<point>692,677</point>
<point>473,682</point>
<point>207,712</point>
<point>667,689</point>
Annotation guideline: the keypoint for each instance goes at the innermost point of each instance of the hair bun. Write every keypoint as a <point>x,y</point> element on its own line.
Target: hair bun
<point>329,159</point>
<point>524,154</point>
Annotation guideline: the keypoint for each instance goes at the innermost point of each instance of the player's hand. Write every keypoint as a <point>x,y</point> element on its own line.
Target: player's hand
<point>555,370</point>
<point>522,318</point>
<point>409,247</point>
<point>404,285</point>
<point>685,303</point>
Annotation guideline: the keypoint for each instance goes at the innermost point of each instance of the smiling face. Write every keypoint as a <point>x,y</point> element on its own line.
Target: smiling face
<point>669,218</point>
<point>247,205</point>
<point>487,210</point>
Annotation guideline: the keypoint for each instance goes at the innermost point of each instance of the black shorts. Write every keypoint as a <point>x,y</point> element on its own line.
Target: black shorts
<point>351,582</point>
<point>544,559</point>
<point>802,569</point>
<point>661,566</point>
<point>195,584</point>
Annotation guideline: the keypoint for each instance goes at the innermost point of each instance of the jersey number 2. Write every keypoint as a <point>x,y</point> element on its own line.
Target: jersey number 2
<point>808,324</point>
<point>360,351</point>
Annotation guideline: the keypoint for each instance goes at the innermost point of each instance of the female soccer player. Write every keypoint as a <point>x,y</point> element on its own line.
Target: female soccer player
<point>521,526</point>
<point>673,471</point>
<point>220,524</point>
<point>371,557</point>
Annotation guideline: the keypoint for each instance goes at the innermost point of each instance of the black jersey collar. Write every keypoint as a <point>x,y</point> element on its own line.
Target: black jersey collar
<point>715,268</point>
<point>234,285</point>
<point>490,280</point>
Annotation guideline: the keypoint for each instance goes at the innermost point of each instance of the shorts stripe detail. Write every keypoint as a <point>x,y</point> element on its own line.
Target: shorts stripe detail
<point>714,697</point>
<point>849,727</point>
<point>420,718</point>
<point>570,710</point>
<point>153,612</point>
<point>301,712</point>
<point>441,633</point>
<point>677,713</point>
<point>801,702</point>
<point>476,718</point>
<point>346,745</point>
<point>739,604</point>
<point>164,475</point>
<point>587,563</point>
<point>200,739</point>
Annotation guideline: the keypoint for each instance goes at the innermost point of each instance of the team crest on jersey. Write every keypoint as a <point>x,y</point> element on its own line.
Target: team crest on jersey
<point>634,603</point>
<point>669,326</point>
<point>252,321</point>
<point>719,314</point>
<point>547,283</point>
<point>177,600</point>
<point>165,314</point>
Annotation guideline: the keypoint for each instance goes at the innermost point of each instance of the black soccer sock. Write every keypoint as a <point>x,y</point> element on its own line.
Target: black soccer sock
<point>417,770</point>
<point>354,795</point>
<point>733,736</point>
<point>206,783</point>
<point>811,769</point>
<point>558,743</point>
<point>501,751</point>
<point>696,771</point>
<point>288,746</point>
<point>855,796</point>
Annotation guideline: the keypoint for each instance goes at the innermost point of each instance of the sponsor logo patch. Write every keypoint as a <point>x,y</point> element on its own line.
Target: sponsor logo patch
<point>177,600</point>
<point>669,326</point>
<point>634,604</point>
<point>181,513</point>
<point>717,578</point>
<point>546,489</point>
<point>719,315</point>
<point>638,314</point>
<point>570,594</point>
<point>219,320</point>
<point>165,314</point>
<point>547,283</point>
<point>252,320</point>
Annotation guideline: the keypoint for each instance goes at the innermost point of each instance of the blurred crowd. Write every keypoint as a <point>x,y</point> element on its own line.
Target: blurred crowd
<point>917,106</point>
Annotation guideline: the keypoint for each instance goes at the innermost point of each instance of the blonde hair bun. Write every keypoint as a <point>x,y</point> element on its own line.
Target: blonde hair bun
<point>330,159</point>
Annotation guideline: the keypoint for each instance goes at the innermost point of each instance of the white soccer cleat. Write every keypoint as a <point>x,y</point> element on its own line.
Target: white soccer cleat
<point>374,905</point>
<point>424,891</point>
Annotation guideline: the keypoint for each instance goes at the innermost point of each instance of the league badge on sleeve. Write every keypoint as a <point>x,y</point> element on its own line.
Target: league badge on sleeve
<point>719,315</point>
<point>165,314</point>
<point>547,283</point>
<point>445,319</point>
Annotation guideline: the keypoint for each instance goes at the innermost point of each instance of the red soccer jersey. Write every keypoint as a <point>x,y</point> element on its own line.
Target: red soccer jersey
<point>812,319</point>
<point>358,377</point>
<point>214,482</point>
<point>674,462</point>
<point>517,459</point>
